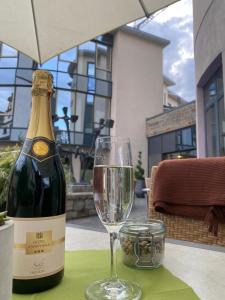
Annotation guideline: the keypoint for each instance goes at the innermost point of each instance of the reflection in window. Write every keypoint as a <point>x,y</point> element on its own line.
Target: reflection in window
<point>6,100</point>
<point>80,110</point>
<point>102,111</point>
<point>4,132</point>
<point>103,88</point>
<point>70,55</point>
<point>74,73</point>
<point>103,60</point>
<point>102,74</point>
<point>22,107</point>
<point>211,131</point>
<point>91,69</point>
<point>8,51</point>
<point>89,118</point>
<point>86,55</point>
<point>25,61</point>
<point>18,134</point>
<point>65,81</point>
<point>5,120</point>
<point>187,137</point>
<point>221,126</point>
<point>63,66</point>
<point>64,99</point>
<point>8,62</point>
<point>91,81</point>
<point>214,115</point>
<point>214,88</point>
<point>7,76</point>
<point>51,64</point>
<point>24,76</point>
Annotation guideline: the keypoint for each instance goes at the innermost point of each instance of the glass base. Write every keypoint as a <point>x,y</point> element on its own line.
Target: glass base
<point>113,289</point>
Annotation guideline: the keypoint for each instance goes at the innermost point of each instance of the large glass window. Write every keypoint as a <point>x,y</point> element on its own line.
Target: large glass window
<point>172,145</point>
<point>214,115</point>
<point>82,83</point>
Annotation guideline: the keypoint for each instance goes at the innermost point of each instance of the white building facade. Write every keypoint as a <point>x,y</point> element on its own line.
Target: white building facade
<point>209,39</point>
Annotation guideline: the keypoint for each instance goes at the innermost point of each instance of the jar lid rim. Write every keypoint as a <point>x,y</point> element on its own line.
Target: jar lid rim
<point>136,227</point>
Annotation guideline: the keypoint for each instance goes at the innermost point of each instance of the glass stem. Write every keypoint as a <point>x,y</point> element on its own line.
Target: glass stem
<point>113,248</point>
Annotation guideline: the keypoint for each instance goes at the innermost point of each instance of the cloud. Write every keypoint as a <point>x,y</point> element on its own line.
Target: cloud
<point>176,24</point>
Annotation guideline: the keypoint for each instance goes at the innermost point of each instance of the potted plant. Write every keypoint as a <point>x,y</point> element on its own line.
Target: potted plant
<point>6,254</point>
<point>7,158</point>
<point>139,176</point>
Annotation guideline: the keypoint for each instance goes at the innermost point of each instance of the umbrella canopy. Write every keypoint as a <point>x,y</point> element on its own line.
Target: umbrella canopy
<point>44,28</point>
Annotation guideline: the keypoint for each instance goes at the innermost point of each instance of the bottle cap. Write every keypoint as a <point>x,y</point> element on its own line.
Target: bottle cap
<point>42,83</point>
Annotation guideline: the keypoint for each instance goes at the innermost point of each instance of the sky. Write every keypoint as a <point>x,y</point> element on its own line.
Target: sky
<point>175,23</point>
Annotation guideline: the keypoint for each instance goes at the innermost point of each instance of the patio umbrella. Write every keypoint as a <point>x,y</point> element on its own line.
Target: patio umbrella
<point>44,28</point>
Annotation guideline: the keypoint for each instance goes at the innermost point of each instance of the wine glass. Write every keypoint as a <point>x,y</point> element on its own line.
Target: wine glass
<point>113,196</point>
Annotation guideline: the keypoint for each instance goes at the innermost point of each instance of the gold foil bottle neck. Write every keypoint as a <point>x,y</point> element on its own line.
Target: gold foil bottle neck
<point>41,83</point>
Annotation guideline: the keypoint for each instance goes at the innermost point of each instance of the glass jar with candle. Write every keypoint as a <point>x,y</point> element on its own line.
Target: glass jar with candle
<point>143,243</point>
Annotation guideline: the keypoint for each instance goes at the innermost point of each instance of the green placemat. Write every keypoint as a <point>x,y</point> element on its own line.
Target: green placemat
<point>84,267</point>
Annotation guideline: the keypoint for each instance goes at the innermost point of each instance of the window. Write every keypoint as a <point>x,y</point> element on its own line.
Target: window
<point>7,51</point>
<point>103,57</point>
<point>89,112</point>
<point>175,144</point>
<point>80,111</point>
<point>91,81</point>
<point>24,77</point>
<point>214,115</point>
<point>6,100</point>
<point>8,62</point>
<point>69,56</point>
<point>86,55</point>
<point>51,64</point>
<point>7,76</point>
<point>102,111</point>
<point>64,99</point>
<point>25,61</point>
<point>22,107</point>
<point>64,80</point>
<point>82,84</point>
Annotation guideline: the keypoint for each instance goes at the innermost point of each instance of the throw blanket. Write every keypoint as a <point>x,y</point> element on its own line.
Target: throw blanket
<point>192,188</point>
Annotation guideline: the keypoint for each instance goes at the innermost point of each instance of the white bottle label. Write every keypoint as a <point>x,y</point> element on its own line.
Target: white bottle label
<point>39,246</point>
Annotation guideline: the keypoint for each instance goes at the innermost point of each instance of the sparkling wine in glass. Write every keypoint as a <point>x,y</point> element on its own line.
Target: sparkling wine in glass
<point>113,196</point>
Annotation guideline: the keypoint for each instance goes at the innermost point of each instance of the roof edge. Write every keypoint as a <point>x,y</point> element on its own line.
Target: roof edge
<point>144,35</point>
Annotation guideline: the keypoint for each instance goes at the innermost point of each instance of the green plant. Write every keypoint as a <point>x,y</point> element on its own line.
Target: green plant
<point>139,171</point>
<point>3,218</point>
<point>7,158</point>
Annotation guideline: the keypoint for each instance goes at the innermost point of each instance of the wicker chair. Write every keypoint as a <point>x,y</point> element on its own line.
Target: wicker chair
<point>183,228</point>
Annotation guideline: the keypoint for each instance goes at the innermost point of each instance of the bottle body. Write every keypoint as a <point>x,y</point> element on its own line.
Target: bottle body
<point>36,204</point>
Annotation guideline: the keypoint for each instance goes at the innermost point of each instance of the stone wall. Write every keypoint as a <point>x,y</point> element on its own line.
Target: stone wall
<point>80,205</point>
<point>180,117</point>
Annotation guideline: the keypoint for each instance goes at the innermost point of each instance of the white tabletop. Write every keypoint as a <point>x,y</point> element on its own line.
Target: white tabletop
<point>203,270</point>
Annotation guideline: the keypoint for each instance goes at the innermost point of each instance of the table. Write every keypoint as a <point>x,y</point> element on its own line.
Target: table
<point>202,269</point>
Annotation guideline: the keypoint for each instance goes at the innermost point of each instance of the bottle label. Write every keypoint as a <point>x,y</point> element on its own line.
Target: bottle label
<point>39,246</point>
<point>39,148</point>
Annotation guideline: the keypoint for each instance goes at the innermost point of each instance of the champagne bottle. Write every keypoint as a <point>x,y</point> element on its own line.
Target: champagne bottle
<point>36,199</point>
